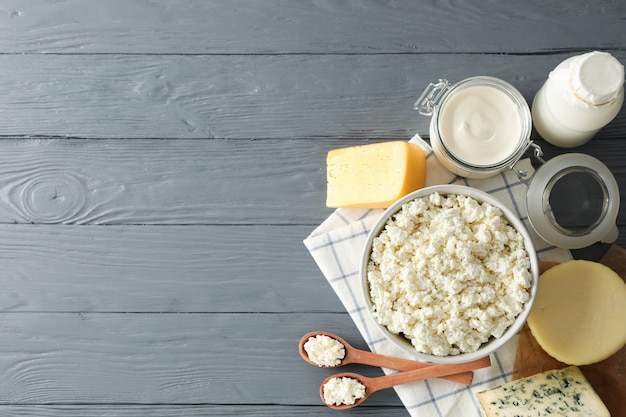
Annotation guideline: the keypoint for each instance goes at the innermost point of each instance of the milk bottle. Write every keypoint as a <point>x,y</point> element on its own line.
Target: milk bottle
<point>582,95</point>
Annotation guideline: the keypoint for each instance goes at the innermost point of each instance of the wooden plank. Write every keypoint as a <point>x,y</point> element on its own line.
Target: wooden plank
<point>160,269</point>
<point>249,97</point>
<point>164,410</point>
<point>283,26</point>
<point>187,182</point>
<point>272,182</point>
<point>148,359</point>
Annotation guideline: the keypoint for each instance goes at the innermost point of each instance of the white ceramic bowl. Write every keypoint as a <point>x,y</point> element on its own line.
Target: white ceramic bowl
<point>494,343</point>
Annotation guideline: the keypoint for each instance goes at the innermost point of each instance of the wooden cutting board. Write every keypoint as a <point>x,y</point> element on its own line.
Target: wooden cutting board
<point>607,377</point>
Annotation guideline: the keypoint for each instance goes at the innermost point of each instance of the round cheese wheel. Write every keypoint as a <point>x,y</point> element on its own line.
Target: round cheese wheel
<point>579,315</point>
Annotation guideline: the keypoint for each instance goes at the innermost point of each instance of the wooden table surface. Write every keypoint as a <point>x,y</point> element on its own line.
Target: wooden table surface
<point>162,161</point>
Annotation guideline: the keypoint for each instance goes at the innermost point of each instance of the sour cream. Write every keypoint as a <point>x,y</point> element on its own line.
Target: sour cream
<point>480,125</point>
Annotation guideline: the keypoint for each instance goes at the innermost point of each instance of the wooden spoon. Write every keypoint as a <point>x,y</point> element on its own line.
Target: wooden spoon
<point>376,384</point>
<point>354,355</point>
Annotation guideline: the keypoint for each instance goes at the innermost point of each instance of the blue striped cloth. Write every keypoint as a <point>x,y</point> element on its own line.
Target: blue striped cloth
<point>336,247</point>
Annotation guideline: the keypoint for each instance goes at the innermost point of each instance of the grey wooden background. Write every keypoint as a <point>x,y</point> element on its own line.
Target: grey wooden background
<point>162,161</point>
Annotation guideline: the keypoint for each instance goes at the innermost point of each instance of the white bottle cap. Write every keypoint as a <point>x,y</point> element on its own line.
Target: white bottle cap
<point>596,78</point>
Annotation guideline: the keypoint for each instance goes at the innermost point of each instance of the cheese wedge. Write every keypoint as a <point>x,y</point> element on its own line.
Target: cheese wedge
<point>560,392</point>
<point>374,176</point>
<point>579,315</point>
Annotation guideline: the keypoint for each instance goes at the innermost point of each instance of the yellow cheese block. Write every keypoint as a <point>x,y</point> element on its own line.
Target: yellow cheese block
<point>579,315</point>
<point>374,176</point>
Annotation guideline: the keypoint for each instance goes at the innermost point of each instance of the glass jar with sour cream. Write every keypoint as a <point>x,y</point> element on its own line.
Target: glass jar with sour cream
<point>480,126</point>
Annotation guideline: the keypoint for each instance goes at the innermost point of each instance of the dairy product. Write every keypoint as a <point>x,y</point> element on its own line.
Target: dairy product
<point>343,390</point>
<point>480,125</point>
<point>561,392</point>
<point>448,273</point>
<point>578,315</point>
<point>581,95</point>
<point>324,350</point>
<point>375,175</point>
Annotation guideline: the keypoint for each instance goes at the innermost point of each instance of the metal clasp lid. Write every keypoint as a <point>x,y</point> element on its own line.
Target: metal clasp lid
<point>426,103</point>
<point>523,175</point>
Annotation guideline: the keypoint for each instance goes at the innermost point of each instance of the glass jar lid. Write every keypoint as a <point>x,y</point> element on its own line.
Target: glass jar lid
<point>573,201</point>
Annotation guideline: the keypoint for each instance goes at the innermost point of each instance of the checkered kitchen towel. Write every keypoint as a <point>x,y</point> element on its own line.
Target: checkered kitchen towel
<point>336,246</point>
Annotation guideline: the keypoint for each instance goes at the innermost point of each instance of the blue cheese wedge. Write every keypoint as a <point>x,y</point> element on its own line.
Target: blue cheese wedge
<point>560,392</point>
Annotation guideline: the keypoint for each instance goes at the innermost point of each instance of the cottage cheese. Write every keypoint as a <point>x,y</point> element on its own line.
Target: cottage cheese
<point>344,390</point>
<point>324,350</point>
<point>448,273</point>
